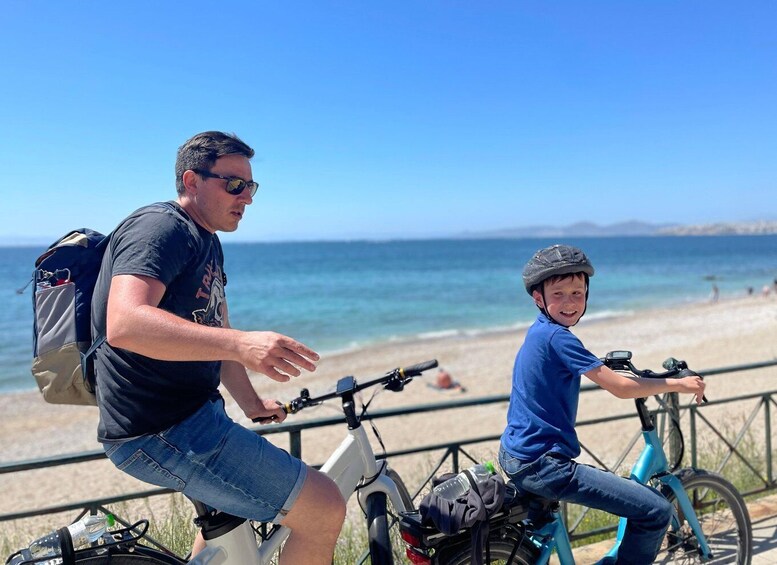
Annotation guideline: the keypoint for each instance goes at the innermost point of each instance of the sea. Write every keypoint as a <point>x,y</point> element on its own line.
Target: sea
<point>340,296</point>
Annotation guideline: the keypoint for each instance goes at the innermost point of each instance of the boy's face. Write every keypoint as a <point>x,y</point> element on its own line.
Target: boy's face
<point>564,299</point>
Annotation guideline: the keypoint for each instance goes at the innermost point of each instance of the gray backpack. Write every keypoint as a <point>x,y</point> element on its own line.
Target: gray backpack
<point>64,277</point>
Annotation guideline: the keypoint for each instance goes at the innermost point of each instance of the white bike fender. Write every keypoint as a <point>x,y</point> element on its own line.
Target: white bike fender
<point>386,485</point>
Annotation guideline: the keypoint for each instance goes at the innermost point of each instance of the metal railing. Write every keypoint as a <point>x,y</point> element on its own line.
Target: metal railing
<point>759,469</point>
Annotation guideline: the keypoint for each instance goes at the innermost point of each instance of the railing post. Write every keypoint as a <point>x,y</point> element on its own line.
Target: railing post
<point>675,449</point>
<point>768,432</point>
<point>295,444</point>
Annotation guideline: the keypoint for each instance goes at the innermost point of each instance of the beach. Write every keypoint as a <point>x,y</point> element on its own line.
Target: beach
<point>727,333</point>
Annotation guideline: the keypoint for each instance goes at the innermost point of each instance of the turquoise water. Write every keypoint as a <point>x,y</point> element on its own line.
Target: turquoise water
<point>341,295</point>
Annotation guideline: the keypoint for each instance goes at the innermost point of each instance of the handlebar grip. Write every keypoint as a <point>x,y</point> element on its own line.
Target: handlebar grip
<point>417,369</point>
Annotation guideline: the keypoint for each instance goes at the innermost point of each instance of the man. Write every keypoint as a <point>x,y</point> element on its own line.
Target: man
<point>160,301</point>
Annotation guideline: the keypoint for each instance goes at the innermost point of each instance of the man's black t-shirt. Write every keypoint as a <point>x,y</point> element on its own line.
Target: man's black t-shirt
<point>137,394</point>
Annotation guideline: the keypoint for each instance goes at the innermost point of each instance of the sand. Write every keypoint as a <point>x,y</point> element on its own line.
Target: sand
<point>728,333</point>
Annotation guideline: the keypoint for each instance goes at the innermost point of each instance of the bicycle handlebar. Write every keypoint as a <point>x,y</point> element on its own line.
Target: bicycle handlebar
<point>621,361</point>
<point>394,380</point>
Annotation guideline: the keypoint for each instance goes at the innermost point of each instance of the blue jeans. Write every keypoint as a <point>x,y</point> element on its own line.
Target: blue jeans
<point>210,458</point>
<point>558,478</point>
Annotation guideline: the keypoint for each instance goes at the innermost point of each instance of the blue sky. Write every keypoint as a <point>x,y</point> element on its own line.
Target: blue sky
<point>392,119</point>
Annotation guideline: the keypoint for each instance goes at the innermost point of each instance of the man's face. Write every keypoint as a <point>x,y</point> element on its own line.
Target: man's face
<point>564,299</point>
<point>217,209</point>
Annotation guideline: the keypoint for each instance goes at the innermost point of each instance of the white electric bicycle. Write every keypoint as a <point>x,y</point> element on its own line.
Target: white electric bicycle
<point>231,540</point>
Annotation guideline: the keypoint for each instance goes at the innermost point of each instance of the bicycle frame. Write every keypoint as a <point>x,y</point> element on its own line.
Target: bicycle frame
<point>354,461</point>
<point>650,463</point>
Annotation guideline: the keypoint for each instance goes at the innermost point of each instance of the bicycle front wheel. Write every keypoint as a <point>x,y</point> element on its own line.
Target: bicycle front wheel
<point>378,530</point>
<point>385,543</point>
<point>723,517</point>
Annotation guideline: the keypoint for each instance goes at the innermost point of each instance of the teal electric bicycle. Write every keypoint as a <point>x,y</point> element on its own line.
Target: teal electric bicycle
<point>710,523</point>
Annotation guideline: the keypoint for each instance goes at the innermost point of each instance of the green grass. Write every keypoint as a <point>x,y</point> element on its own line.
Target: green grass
<point>713,451</point>
<point>171,523</point>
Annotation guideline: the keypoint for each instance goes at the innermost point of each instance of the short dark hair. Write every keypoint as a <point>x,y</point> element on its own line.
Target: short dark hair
<point>202,150</point>
<point>556,278</point>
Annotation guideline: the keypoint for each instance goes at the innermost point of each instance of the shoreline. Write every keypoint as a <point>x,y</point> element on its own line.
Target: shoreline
<point>433,336</point>
<point>464,337</point>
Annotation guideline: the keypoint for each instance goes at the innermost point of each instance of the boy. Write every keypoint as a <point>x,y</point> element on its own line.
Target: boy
<point>539,445</point>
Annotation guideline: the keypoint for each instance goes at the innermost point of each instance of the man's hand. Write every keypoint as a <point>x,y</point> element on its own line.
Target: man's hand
<point>275,355</point>
<point>269,411</point>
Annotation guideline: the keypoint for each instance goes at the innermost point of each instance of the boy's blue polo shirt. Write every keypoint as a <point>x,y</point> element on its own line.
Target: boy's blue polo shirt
<point>545,392</point>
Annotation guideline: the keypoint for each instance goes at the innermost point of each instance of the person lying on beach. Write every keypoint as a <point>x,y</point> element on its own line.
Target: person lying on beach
<point>444,381</point>
<point>539,444</point>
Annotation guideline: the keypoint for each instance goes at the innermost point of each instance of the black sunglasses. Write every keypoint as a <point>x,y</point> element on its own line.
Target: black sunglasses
<point>234,185</point>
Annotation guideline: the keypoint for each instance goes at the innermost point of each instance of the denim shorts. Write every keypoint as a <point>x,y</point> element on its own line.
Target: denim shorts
<point>210,458</point>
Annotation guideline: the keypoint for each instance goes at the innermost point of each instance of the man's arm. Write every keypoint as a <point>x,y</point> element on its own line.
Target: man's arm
<point>134,322</point>
<point>637,387</point>
<point>236,381</point>
<point>235,378</point>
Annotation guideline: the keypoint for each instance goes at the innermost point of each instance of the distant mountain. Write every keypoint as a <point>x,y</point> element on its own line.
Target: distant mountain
<point>627,229</point>
<point>762,227</point>
<point>579,229</point>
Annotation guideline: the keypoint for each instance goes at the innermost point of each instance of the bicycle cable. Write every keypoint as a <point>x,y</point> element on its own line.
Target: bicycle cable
<point>372,424</point>
<point>383,462</point>
<point>676,429</point>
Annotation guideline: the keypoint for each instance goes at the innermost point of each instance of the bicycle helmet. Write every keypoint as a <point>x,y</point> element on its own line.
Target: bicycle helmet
<point>552,261</point>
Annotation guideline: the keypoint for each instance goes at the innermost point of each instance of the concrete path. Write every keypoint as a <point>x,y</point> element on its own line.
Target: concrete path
<point>764,518</point>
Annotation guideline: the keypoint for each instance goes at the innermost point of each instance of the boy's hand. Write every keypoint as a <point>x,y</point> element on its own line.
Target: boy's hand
<point>693,385</point>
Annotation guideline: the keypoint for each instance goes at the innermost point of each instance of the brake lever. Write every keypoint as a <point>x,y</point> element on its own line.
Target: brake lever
<point>397,383</point>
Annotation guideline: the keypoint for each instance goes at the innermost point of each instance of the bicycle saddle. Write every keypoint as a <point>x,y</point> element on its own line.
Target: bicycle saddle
<point>521,505</point>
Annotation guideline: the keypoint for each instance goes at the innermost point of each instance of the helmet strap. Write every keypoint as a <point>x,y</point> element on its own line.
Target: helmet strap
<point>543,309</point>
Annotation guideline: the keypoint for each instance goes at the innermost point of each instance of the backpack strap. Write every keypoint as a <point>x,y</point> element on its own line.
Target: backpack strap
<point>86,363</point>
<point>86,356</point>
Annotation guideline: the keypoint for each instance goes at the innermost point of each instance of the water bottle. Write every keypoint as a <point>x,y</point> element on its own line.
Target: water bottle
<point>459,485</point>
<point>86,531</point>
